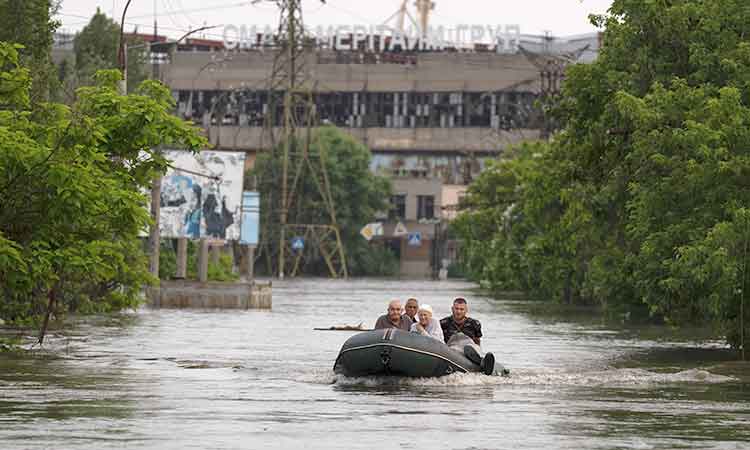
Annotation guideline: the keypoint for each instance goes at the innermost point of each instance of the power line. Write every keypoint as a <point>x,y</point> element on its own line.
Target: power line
<point>169,8</point>
<point>201,9</point>
<point>183,11</point>
<point>139,24</point>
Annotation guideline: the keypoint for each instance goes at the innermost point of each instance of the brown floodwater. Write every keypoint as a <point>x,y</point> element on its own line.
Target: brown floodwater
<point>190,379</point>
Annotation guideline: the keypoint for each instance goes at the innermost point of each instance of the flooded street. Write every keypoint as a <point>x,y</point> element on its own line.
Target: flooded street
<point>171,379</point>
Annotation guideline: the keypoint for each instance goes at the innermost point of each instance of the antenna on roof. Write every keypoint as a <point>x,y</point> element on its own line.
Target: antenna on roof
<point>400,18</point>
<point>424,8</point>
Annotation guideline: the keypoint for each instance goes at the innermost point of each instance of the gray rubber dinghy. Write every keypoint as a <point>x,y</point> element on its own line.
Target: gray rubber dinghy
<point>397,352</point>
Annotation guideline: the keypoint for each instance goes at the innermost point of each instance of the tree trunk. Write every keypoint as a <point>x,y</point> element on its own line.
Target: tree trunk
<point>568,291</point>
<point>50,305</point>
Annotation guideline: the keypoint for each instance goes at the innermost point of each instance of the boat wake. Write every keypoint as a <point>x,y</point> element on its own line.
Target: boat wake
<point>606,378</point>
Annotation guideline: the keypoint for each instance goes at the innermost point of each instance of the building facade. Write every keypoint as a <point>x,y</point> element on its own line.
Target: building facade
<point>431,119</point>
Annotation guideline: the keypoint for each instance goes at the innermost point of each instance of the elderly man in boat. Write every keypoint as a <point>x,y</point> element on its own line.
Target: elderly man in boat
<point>411,309</point>
<point>394,318</point>
<point>464,334</point>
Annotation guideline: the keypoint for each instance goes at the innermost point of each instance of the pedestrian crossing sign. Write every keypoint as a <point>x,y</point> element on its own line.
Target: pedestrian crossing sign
<point>415,239</point>
<point>298,243</point>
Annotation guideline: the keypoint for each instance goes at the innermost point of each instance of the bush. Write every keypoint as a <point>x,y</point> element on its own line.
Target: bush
<point>221,271</point>
<point>373,260</point>
<point>456,270</point>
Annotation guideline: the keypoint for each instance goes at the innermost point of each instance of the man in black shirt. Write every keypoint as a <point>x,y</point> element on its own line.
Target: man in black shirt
<point>459,322</point>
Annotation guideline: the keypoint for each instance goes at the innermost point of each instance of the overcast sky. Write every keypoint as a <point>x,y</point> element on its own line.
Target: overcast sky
<point>174,17</point>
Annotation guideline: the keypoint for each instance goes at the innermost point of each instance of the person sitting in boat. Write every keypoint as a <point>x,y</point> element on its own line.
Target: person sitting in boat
<point>464,334</point>
<point>411,308</point>
<point>427,326</point>
<point>394,318</point>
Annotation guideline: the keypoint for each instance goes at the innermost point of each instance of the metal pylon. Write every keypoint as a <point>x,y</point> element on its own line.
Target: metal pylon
<point>292,102</point>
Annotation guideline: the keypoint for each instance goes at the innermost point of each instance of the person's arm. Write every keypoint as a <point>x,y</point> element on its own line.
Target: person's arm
<point>379,324</point>
<point>437,332</point>
<point>478,335</point>
<point>444,329</point>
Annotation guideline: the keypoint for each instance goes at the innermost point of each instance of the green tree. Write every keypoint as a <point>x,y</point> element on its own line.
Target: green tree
<point>71,192</point>
<point>30,23</point>
<point>358,195</point>
<point>96,48</point>
<point>639,204</point>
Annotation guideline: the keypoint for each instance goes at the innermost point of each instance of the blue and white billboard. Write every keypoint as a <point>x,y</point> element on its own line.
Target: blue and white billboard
<point>201,195</point>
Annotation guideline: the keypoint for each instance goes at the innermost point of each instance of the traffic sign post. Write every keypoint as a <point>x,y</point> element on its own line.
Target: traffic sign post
<point>415,239</point>
<point>400,230</point>
<point>371,230</point>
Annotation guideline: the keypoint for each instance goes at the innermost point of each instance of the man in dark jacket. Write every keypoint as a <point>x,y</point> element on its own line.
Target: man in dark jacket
<point>458,325</point>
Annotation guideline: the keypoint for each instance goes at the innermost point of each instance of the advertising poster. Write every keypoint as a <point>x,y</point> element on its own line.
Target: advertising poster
<point>201,195</point>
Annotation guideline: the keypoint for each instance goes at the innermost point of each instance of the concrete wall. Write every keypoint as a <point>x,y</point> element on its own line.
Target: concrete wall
<point>435,72</point>
<point>415,261</point>
<point>415,269</point>
<point>414,187</point>
<point>387,139</point>
<point>451,197</point>
<point>192,294</point>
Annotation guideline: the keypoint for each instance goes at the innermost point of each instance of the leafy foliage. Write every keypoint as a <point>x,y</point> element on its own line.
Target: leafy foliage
<point>217,271</point>
<point>640,203</point>
<point>71,183</point>
<point>30,23</point>
<point>96,48</point>
<point>357,193</point>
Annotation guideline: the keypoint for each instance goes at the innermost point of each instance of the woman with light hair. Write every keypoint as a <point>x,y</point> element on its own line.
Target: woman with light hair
<point>427,326</point>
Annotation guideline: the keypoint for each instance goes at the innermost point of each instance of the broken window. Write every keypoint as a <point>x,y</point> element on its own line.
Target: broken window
<point>502,110</point>
<point>398,207</point>
<point>425,207</point>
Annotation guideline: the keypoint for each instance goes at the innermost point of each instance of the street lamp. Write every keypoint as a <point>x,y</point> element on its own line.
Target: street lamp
<point>122,57</point>
<point>167,44</point>
<point>124,51</point>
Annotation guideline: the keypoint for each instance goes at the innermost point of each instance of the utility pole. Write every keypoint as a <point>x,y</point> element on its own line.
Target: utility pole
<point>552,68</point>
<point>122,53</point>
<point>290,89</point>
<point>551,75</point>
<point>154,237</point>
<point>154,62</point>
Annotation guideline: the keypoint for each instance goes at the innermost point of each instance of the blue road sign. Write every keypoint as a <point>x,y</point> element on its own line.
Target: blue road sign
<point>415,239</point>
<point>298,243</point>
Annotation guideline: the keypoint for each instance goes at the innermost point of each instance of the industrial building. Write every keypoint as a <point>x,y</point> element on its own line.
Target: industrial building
<point>431,118</point>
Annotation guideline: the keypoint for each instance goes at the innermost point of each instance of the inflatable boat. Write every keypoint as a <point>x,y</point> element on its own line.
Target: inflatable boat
<point>399,353</point>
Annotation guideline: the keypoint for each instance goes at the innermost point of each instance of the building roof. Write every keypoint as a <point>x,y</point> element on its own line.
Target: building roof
<point>147,37</point>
